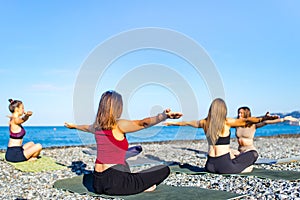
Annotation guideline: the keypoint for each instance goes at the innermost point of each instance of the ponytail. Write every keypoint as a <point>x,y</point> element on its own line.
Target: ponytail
<point>13,104</point>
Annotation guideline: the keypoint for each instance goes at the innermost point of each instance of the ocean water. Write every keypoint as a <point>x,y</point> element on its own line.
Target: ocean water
<point>51,136</point>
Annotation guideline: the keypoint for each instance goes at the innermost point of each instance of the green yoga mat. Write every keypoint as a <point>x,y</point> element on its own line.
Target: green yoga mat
<point>43,163</point>
<point>258,172</point>
<point>83,185</point>
<point>277,161</point>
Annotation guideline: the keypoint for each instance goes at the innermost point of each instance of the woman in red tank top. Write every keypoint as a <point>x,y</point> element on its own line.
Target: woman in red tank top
<point>112,175</point>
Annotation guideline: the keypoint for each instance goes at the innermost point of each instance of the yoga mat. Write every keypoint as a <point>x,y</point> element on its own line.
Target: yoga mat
<point>274,174</point>
<point>276,161</point>
<point>288,160</point>
<point>139,161</point>
<point>83,185</point>
<point>265,161</point>
<point>258,172</point>
<point>43,163</point>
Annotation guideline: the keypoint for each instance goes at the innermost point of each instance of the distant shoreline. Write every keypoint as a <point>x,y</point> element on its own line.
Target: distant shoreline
<point>167,141</point>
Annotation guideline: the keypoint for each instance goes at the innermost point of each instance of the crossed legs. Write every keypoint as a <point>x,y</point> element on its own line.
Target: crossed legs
<point>32,150</point>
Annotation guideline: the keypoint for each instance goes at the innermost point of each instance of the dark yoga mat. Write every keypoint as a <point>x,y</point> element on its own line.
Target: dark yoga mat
<point>277,161</point>
<point>83,185</point>
<point>258,172</point>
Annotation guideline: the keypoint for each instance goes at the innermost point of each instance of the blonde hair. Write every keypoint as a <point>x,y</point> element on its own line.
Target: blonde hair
<point>215,120</point>
<point>109,110</point>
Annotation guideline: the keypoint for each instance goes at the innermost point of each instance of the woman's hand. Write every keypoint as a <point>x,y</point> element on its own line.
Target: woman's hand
<point>28,113</point>
<point>169,123</point>
<point>290,118</point>
<point>234,153</point>
<point>25,117</point>
<point>172,115</point>
<point>269,117</point>
<point>70,125</point>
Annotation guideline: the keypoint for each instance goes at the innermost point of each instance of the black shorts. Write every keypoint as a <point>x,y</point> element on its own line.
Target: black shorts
<point>225,165</point>
<point>15,154</point>
<point>118,180</point>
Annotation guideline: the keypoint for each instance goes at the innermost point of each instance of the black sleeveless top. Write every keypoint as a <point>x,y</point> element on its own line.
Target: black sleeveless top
<point>223,140</point>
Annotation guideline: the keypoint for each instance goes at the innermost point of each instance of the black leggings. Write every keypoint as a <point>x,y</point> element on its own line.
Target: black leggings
<point>15,154</point>
<point>118,180</point>
<point>225,165</point>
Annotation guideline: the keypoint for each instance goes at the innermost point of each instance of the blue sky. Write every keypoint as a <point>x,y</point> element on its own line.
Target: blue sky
<point>254,46</point>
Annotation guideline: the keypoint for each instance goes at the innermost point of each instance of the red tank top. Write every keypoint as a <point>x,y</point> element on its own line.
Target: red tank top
<point>109,149</point>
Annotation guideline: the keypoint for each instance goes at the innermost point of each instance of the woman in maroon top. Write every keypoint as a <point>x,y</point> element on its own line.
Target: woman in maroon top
<point>16,151</point>
<point>112,175</point>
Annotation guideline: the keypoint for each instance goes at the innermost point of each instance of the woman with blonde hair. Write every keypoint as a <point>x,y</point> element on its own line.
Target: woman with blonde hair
<point>112,175</point>
<point>217,130</point>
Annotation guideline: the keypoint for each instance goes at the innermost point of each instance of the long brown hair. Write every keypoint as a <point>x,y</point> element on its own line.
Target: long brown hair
<point>215,120</point>
<point>247,113</point>
<point>109,110</point>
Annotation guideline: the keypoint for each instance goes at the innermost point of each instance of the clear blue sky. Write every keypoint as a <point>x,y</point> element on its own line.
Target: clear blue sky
<point>254,45</point>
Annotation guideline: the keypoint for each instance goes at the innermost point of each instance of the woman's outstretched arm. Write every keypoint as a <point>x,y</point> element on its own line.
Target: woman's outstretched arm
<point>85,128</point>
<point>21,120</point>
<point>287,118</point>
<point>127,126</point>
<point>194,123</point>
<point>249,120</point>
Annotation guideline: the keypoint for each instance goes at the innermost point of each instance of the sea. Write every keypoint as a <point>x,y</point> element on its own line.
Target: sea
<point>56,136</point>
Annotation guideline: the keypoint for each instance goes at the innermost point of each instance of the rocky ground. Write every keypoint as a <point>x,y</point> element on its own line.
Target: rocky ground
<point>15,184</point>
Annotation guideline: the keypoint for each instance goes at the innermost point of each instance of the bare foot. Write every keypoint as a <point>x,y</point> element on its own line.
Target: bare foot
<point>248,169</point>
<point>32,159</point>
<point>151,189</point>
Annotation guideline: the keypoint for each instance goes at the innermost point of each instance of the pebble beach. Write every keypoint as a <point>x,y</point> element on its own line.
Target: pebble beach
<point>15,184</point>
